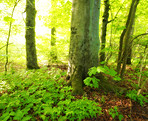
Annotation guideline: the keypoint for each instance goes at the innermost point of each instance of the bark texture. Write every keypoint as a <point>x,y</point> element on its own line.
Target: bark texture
<point>53,52</point>
<point>104,30</point>
<point>125,38</point>
<point>31,56</point>
<point>84,43</point>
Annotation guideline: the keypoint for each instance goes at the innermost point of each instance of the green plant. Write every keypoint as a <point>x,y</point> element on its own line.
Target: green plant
<point>37,94</point>
<point>102,99</point>
<point>92,81</point>
<point>114,112</point>
<point>132,94</point>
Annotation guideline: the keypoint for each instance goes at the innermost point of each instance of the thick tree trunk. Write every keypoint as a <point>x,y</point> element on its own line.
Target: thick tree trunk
<point>84,44</point>
<point>31,56</point>
<point>104,29</point>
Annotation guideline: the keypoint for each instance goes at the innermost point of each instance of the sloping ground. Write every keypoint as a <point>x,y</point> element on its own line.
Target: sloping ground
<point>129,109</point>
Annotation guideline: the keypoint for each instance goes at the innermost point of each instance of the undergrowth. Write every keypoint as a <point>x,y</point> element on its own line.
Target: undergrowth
<point>41,95</point>
<point>44,95</point>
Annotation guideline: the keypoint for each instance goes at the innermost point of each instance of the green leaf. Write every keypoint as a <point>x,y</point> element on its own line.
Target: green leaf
<point>87,81</point>
<point>117,78</point>
<point>120,117</point>
<point>19,114</point>
<point>43,117</point>
<point>26,118</point>
<point>92,71</point>
<point>100,69</point>
<point>95,82</point>
<point>8,19</point>
<point>113,115</point>
<point>12,113</point>
<point>5,116</point>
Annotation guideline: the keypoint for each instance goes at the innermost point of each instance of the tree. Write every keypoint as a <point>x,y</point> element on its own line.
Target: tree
<point>30,35</point>
<point>9,33</point>
<point>125,38</point>
<point>104,29</point>
<point>53,52</point>
<point>84,41</point>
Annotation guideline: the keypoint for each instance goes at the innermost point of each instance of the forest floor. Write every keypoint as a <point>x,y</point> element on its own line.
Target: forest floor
<point>129,109</point>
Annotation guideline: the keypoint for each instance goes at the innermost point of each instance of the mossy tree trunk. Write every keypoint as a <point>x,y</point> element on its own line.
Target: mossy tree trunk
<point>84,43</point>
<point>31,56</point>
<point>125,38</point>
<point>104,30</point>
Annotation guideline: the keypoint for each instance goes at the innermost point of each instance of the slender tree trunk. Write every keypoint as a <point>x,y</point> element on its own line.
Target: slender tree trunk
<point>129,62</point>
<point>126,38</point>
<point>84,43</point>
<point>9,33</point>
<point>104,29</point>
<point>129,57</point>
<point>30,35</point>
<point>53,52</point>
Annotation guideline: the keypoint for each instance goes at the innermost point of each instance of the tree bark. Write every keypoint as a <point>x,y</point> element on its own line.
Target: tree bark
<point>53,52</point>
<point>31,56</point>
<point>84,41</point>
<point>104,29</point>
<point>127,36</point>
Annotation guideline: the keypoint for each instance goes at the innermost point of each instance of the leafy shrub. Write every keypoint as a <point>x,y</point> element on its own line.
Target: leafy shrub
<point>132,94</point>
<point>93,82</point>
<point>41,95</point>
<point>114,113</point>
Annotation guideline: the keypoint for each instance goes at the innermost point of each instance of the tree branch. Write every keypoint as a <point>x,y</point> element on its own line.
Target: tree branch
<point>116,13</point>
<point>4,46</point>
<point>139,36</point>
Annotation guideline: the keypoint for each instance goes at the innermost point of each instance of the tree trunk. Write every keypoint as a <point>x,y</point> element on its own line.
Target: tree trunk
<point>127,36</point>
<point>53,52</point>
<point>129,62</point>
<point>104,30</point>
<point>30,35</point>
<point>84,43</point>
<point>8,38</point>
<point>129,53</point>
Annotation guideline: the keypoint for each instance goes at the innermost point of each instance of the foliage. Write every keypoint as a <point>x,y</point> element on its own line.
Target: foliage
<point>92,81</point>
<point>40,94</point>
<point>132,94</point>
<point>114,112</point>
